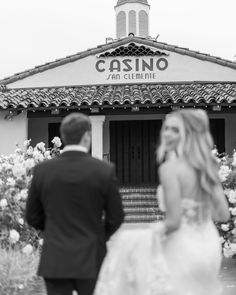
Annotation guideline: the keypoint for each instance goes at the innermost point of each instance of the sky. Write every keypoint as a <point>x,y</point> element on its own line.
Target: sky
<point>33,32</point>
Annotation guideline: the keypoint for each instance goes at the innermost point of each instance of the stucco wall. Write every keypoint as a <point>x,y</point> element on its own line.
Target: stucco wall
<point>12,132</point>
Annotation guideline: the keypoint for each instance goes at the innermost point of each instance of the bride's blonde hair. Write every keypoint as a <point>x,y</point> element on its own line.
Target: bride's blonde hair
<point>195,146</point>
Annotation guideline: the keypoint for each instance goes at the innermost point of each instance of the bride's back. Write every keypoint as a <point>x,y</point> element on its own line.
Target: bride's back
<point>196,204</point>
<point>188,181</point>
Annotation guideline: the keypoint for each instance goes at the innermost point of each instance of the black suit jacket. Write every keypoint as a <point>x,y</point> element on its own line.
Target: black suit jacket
<point>67,199</point>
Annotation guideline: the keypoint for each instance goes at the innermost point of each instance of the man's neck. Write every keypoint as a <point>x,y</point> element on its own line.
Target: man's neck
<point>75,147</point>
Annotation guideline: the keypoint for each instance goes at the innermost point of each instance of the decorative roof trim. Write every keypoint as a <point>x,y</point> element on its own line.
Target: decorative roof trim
<point>132,50</point>
<point>113,45</point>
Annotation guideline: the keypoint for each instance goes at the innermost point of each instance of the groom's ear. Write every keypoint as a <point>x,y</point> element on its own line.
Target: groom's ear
<point>86,139</point>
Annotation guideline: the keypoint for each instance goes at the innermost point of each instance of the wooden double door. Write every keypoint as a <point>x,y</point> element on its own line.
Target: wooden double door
<point>133,149</point>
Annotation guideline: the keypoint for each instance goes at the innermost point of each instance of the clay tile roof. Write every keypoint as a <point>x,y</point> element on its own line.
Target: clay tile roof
<point>110,95</point>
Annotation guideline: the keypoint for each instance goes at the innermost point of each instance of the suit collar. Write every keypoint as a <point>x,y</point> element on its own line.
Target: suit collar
<point>74,147</point>
<point>73,153</point>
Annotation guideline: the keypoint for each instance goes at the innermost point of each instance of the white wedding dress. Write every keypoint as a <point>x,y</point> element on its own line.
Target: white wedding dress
<point>140,261</point>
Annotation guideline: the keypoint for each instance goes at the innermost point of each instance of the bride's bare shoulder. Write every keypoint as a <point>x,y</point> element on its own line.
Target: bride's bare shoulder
<point>170,167</point>
<point>175,166</point>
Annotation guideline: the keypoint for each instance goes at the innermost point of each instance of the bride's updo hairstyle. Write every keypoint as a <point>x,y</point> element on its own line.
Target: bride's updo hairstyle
<point>195,147</point>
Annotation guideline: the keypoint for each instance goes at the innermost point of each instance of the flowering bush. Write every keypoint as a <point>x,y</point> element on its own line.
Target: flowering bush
<point>15,176</point>
<point>19,243</point>
<point>227,230</point>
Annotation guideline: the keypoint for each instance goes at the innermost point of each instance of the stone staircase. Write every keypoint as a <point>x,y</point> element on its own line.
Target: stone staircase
<point>140,204</point>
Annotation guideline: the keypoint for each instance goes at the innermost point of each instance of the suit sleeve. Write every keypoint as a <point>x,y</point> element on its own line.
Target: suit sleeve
<point>114,214</point>
<point>34,209</point>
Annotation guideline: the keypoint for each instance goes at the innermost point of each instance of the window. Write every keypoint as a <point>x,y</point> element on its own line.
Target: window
<point>132,22</point>
<point>121,24</point>
<point>143,24</point>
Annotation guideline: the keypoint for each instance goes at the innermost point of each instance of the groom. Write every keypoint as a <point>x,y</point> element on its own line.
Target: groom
<point>74,200</point>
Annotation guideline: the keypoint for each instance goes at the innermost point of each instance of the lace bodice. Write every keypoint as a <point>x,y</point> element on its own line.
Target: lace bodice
<point>193,212</point>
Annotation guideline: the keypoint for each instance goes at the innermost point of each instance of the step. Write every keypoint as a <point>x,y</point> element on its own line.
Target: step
<point>137,190</point>
<point>140,218</point>
<point>140,203</point>
<point>139,197</point>
<point>148,211</point>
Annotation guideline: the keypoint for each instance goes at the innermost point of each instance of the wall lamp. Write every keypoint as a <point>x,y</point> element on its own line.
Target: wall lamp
<point>216,108</point>
<point>135,109</point>
<point>55,112</point>
<point>94,110</point>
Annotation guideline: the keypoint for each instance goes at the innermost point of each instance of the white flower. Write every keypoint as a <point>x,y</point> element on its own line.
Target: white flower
<point>28,249</point>
<point>229,249</point>
<point>11,181</point>
<point>47,155</point>
<point>233,247</point>
<point>233,212</point>
<point>22,195</point>
<point>234,159</point>
<point>41,146</point>
<point>232,196</point>
<point>57,142</point>
<point>29,163</point>
<point>27,142</point>
<point>40,242</point>
<point>225,227</point>
<point>6,166</point>
<point>227,252</point>
<point>234,232</point>
<point>38,156</point>
<point>18,170</point>
<point>14,236</point>
<point>224,172</point>
<point>18,151</point>
<point>20,286</point>
<point>30,151</point>
<point>21,221</point>
<point>3,203</point>
<point>214,152</point>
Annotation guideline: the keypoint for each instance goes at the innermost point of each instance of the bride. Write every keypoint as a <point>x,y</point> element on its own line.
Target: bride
<point>181,255</point>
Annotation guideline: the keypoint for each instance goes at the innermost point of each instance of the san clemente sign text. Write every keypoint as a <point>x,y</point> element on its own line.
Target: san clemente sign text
<point>131,69</point>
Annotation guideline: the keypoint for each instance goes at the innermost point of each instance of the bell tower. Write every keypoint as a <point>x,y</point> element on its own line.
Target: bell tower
<point>132,16</point>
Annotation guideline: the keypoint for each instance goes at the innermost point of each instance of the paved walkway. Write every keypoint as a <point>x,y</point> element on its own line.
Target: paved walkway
<point>228,276</point>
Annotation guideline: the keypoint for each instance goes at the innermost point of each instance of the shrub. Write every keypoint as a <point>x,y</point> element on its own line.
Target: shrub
<point>227,230</point>
<point>15,176</point>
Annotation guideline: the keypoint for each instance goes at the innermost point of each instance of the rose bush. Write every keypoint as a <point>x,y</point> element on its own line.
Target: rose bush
<point>15,176</point>
<point>227,175</point>
<point>19,243</point>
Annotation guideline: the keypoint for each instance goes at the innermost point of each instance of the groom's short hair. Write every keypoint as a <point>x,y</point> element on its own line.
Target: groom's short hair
<point>73,127</point>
